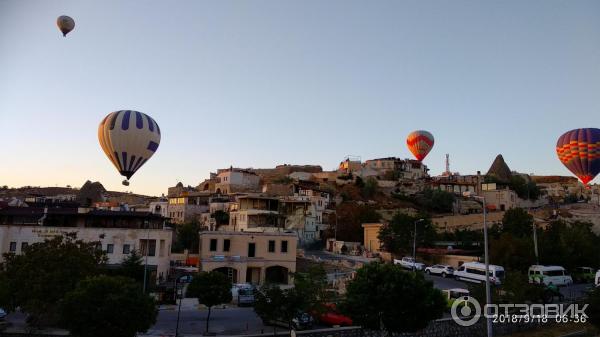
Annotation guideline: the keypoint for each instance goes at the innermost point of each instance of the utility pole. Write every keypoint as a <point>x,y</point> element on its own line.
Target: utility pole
<point>147,249</point>
<point>415,244</point>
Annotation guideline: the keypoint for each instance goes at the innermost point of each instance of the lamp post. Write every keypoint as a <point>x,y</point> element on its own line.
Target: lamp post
<point>147,249</point>
<point>180,297</point>
<point>415,244</point>
<point>488,295</point>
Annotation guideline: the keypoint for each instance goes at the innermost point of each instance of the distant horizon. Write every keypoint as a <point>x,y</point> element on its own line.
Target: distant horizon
<point>256,84</point>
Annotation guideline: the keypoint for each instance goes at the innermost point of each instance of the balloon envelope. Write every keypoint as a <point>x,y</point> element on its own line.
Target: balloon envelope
<point>420,143</point>
<point>129,138</point>
<point>579,151</point>
<point>65,24</point>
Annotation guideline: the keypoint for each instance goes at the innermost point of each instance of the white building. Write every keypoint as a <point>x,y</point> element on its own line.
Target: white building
<point>119,233</point>
<point>236,180</point>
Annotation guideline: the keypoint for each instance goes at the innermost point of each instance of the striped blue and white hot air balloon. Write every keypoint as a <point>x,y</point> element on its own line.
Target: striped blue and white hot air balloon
<point>129,138</point>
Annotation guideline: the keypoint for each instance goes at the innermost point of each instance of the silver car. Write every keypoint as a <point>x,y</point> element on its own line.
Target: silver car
<point>2,314</point>
<point>440,269</point>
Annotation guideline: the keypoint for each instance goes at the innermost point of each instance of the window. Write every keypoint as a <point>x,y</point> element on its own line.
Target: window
<point>126,249</point>
<point>13,247</point>
<point>251,249</point>
<point>213,245</point>
<point>24,246</point>
<point>226,245</point>
<point>161,251</point>
<point>110,248</point>
<point>148,247</point>
<point>284,246</point>
<point>271,246</point>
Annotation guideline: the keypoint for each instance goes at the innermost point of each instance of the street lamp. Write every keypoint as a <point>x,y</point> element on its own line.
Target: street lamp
<point>179,296</point>
<point>147,249</point>
<point>415,244</point>
<point>488,295</point>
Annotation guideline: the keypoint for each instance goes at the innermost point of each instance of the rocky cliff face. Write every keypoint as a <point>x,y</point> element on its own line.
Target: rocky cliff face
<point>91,192</point>
<point>500,170</point>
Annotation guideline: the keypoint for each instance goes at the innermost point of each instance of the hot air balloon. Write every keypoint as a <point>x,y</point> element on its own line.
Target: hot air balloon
<point>579,151</point>
<point>129,138</point>
<point>65,24</point>
<point>419,143</point>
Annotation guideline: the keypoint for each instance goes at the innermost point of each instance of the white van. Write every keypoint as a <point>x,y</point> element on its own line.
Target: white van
<point>475,272</point>
<point>556,275</point>
<point>597,283</point>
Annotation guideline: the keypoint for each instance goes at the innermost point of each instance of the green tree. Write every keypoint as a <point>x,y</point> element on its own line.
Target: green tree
<point>132,267</point>
<point>210,288</point>
<point>38,279</point>
<point>518,222</point>
<point>370,188</point>
<point>525,189</point>
<point>397,236</point>
<point>188,237</point>
<point>593,310</point>
<point>383,296</point>
<point>434,200</point>
<point>350,217</point>
<point>570,245</point>
<point>108,306</point>
<point>311,287</point>
<point>221,217</point>
<point>273,303</point>
<point>513,253</point>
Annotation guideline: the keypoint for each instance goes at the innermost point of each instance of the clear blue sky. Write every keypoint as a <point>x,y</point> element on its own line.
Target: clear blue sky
<point>260,83</point>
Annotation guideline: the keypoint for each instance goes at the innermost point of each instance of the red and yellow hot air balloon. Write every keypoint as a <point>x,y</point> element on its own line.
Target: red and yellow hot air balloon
<point>129,138</point>
<point>579,151</point>
<point>420,142</point>
<point>65,24</point>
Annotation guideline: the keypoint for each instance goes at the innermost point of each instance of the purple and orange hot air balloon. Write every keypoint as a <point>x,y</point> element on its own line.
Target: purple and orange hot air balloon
<point>420,143</point>
<point>579,151</point>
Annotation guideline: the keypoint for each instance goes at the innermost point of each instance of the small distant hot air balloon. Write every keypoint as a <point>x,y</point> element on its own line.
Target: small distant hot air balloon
<point>579,151</point>
<point>65,24</point>
<point>419,143</point>
<point>129,138</point>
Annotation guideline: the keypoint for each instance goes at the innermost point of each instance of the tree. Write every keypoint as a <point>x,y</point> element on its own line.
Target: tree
<point>210,288</point>
<point>370,188</point>
<point>525,189</point>
<point>187,236</point>
<point>221,217</point>
<point>350,217</point>
<point>383,296</point>
<point>513,253</point>
<point>132,267</point>
<point>311,287</point>
<point>518,222</point>
<point>569,245</point>
<point>397,236</point>
<point>593,311</point>
<point>273,303</point>
<point>38,279</point>
<point>434,200</point>
<point>108,306</point>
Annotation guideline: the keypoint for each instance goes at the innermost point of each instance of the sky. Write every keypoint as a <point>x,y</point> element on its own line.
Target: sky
<point>262,83</point>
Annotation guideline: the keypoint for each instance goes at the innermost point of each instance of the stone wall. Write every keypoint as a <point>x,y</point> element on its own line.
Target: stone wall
<point>439,328</point>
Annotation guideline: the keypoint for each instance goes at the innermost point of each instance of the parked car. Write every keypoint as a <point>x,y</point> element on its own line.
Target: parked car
<point>455,294</point>
<point>237,287</point>
<point>583,275</point>
<point>2,314</point>
<point>302,321</point>
<point>331,316</point>
<point>440,269</point>
<point>475,272</point>
<point>408,262</point>
<point>547,275</point>
<point>186,279</point>
<point>245,296</point>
